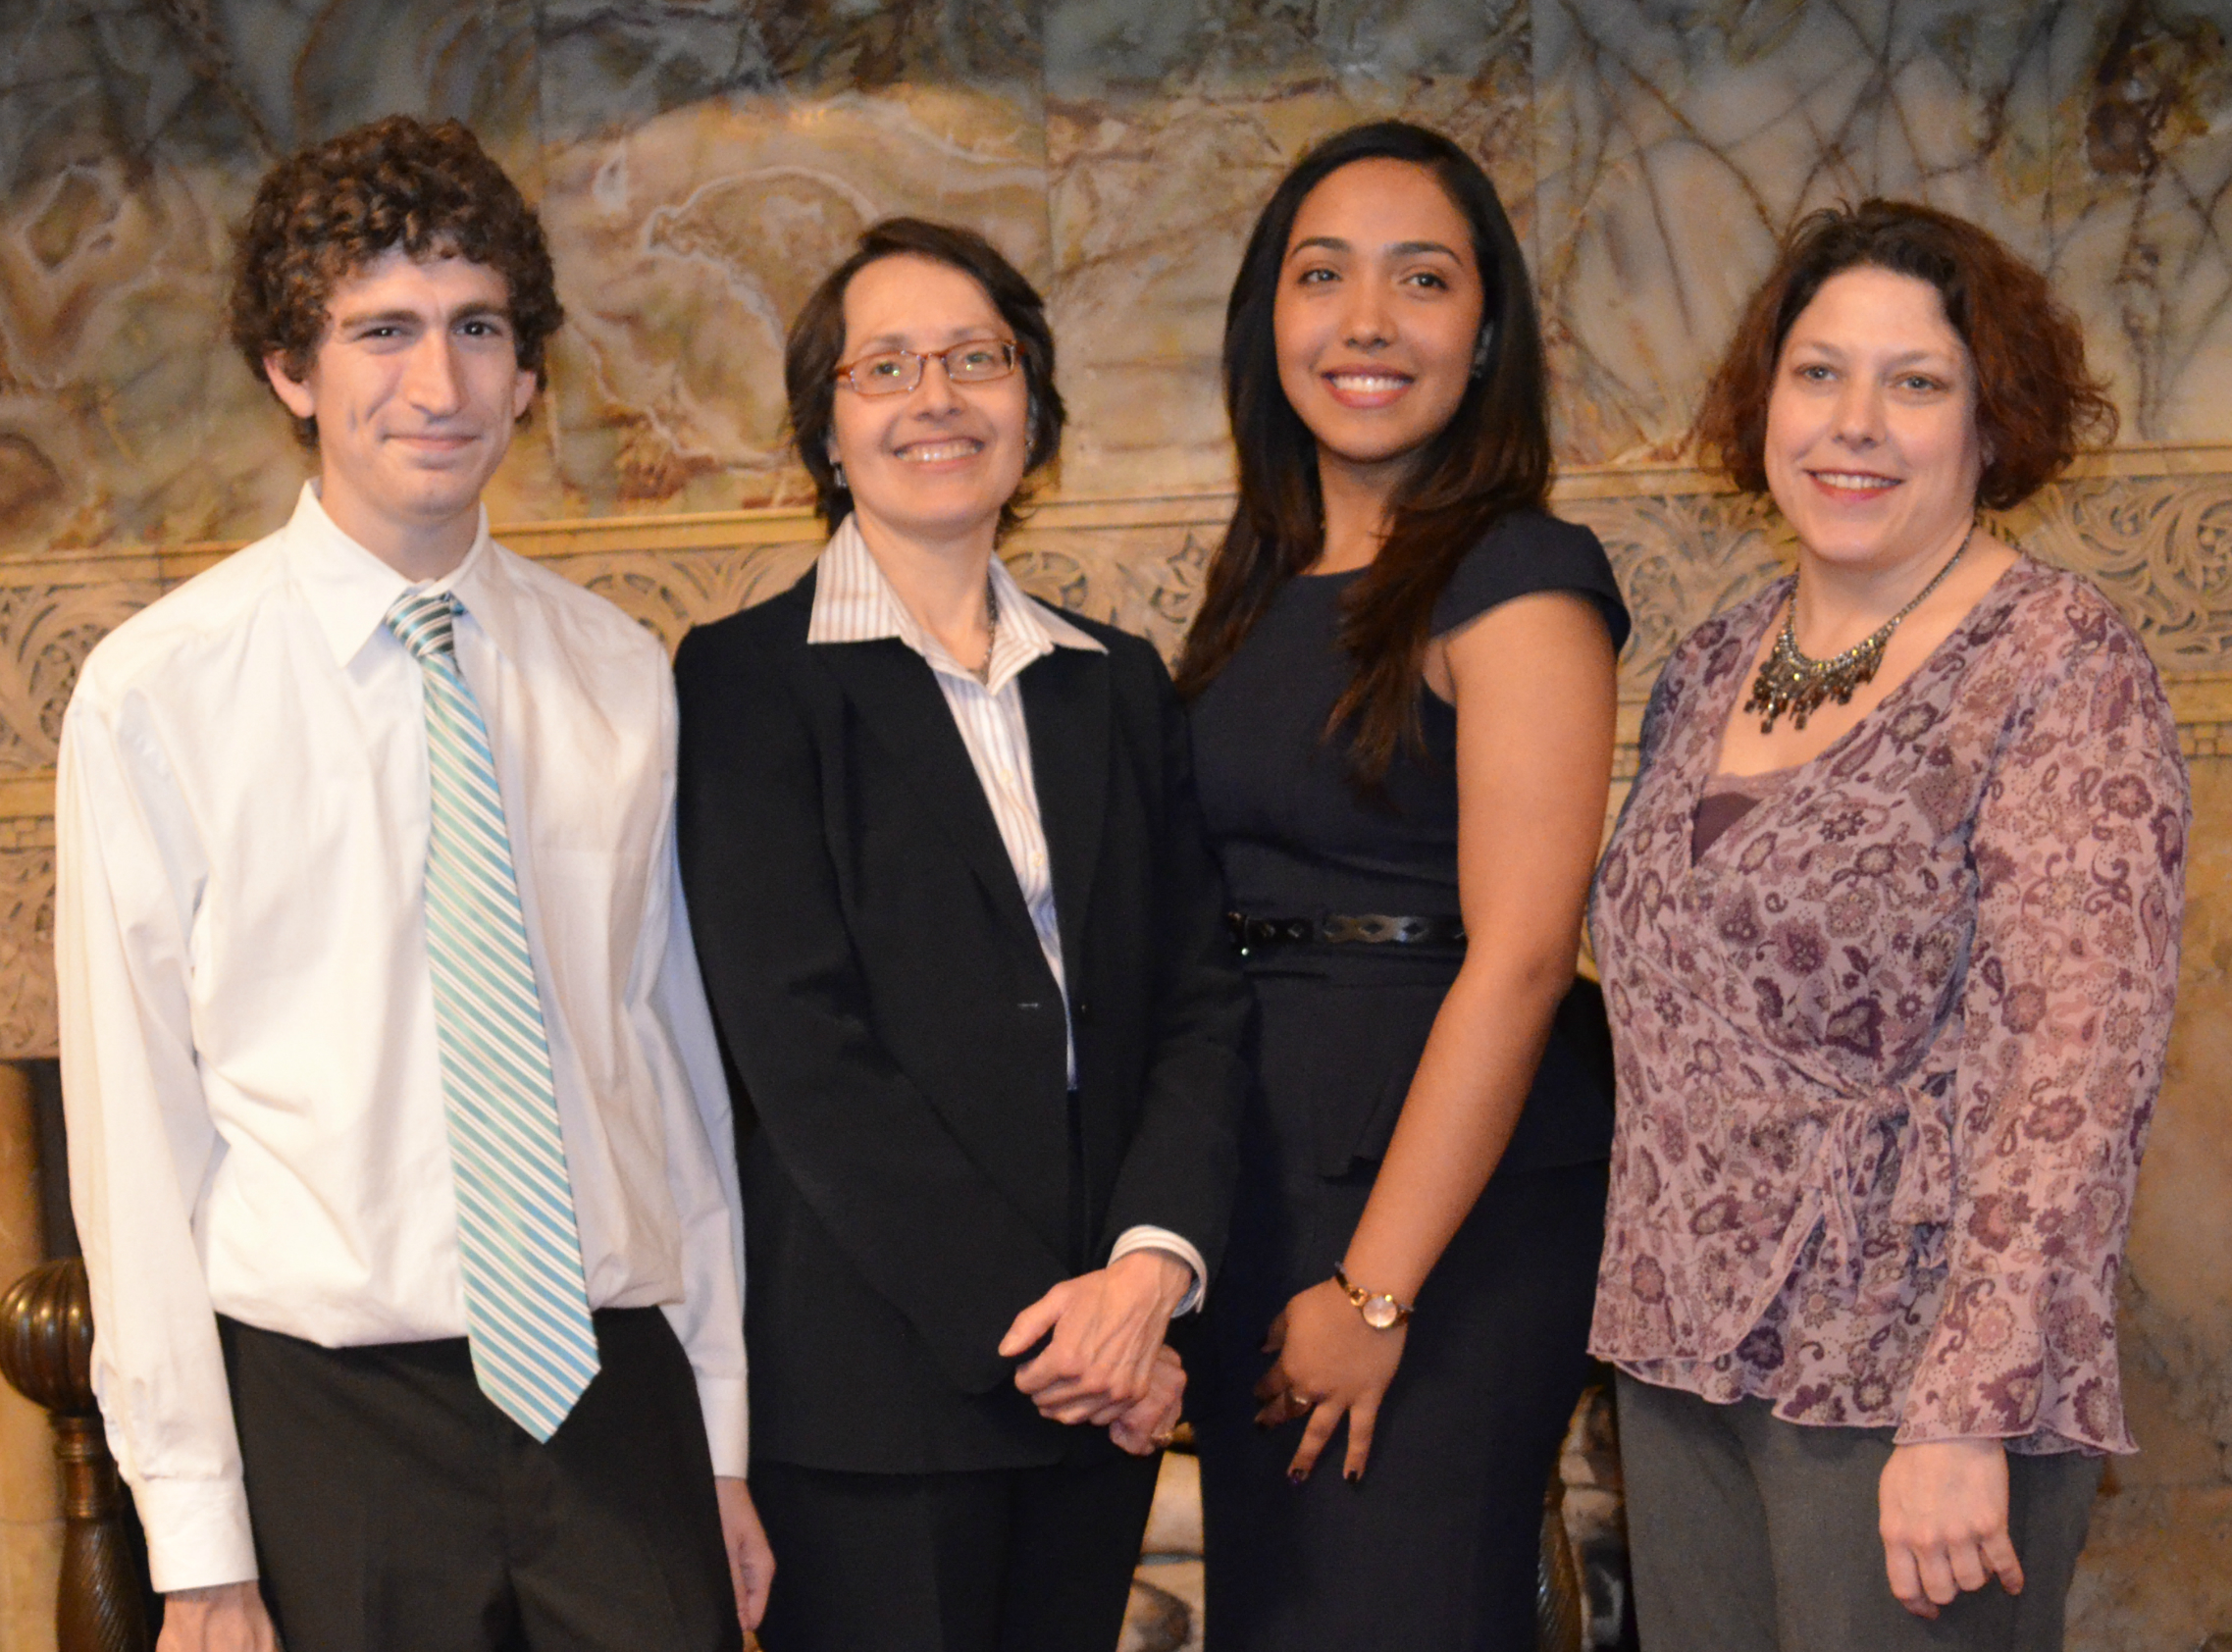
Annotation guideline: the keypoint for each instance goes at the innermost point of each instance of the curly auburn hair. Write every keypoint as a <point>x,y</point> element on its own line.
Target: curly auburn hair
<point>330,210</point>
<point>2035,402</point>
<point>816,348</point>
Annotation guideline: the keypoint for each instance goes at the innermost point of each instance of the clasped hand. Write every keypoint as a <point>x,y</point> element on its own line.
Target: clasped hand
<point>1105,1363</point>
<point>1944,1521</point>
<point>1329,1365</point>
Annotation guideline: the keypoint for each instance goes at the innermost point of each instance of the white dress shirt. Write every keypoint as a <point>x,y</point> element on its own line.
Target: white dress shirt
<point>256,1117</point>
<point>854,603</point>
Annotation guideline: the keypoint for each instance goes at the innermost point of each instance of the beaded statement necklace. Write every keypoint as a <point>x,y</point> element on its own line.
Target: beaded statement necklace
<point>1789,681</point>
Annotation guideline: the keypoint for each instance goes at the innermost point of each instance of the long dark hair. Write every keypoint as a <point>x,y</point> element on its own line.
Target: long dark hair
<point>1493,457</point>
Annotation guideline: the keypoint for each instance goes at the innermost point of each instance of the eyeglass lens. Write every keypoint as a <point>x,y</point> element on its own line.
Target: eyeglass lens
<point>896,372</point>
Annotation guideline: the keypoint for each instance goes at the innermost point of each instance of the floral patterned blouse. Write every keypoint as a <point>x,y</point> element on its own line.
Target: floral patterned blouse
<point>1888,1050</point>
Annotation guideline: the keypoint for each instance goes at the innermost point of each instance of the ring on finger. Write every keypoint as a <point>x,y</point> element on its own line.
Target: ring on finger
<point>1300,1401</point>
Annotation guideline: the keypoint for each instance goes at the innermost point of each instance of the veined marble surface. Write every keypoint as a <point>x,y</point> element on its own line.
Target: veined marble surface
<point>1676,142</point>
<point>700,165</point>
<point>1168,128</point>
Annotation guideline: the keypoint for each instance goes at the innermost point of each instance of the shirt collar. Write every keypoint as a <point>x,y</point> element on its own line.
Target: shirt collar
<point>349,590</point>
<point>854,603</point>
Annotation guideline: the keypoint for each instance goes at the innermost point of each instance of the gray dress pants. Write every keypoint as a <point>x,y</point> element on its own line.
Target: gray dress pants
<point>1750,1534</point>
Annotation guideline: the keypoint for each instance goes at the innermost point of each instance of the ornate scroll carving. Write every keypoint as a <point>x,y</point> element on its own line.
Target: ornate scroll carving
<point>46,631</point>
<point>2161,547</point>
<point>669,591</point>
<point>27,940</point>
<point>1146,580</point>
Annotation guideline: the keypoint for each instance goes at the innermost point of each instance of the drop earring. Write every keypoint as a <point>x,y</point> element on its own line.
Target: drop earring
<point>837,474</point>
<point>1481,350</point>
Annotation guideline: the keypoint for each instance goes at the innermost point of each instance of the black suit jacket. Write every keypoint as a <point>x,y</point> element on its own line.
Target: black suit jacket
<point>884,1000</point>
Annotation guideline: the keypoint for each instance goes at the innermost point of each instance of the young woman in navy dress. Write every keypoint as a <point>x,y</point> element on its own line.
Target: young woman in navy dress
<point>1402,698</point>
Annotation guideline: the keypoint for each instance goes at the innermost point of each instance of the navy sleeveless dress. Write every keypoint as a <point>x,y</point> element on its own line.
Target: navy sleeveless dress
<point>1435,1549</point>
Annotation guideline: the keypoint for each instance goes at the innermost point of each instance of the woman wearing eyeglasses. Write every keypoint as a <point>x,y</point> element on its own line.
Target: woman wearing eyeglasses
<point>965,945</point>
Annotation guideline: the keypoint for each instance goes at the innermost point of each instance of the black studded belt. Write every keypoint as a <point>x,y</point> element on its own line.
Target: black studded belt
<point>1367,929</point>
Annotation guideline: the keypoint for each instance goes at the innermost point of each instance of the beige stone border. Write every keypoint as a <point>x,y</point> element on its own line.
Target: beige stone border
<point>723,530</point>
<point>2202,701</point>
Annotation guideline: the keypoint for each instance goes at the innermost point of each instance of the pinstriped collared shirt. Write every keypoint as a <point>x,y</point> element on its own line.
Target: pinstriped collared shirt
<point>853,602</point>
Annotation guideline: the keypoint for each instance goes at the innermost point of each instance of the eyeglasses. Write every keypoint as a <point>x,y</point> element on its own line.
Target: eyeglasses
<point>978,361</point>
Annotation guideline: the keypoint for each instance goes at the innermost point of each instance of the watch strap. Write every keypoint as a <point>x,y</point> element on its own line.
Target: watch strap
<point>1380,1311</point>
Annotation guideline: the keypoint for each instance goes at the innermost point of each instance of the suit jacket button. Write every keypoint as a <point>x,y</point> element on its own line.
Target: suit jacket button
<point>1084,1010</point>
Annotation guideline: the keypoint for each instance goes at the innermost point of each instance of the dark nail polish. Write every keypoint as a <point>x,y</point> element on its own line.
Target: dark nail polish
<point>1295,1476</point>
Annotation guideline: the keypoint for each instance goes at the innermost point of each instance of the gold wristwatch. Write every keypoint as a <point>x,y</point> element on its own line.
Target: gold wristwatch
<point>1382,1313</point>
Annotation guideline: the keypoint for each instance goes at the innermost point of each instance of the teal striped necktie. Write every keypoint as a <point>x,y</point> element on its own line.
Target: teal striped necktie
<point>527,1313</point>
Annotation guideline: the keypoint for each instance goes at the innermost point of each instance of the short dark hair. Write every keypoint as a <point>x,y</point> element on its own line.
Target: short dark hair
<point>327,211</point>
<point>2036,404</point>
<point>816,346</point>
<point>1490,459</point>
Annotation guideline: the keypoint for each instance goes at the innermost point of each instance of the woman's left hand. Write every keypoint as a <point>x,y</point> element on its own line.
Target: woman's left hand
<point>1943,1514</point>
<point>1102,1332</point>
<point>1331,1364</point>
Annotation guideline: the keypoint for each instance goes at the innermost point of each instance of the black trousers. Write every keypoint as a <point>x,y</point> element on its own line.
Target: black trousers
<point>397,1510</point>
<point>1002,1560</point>
<point>1750,1534</point>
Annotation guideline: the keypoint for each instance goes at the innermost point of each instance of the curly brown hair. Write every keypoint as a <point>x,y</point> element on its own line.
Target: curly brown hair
<point>330,210</point>
<point>2036,404</point>
<point>816,345</point>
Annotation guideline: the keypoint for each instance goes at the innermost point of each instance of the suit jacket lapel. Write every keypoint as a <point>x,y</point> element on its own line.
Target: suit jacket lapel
<point>1067,708</point>
<point>897,696</point>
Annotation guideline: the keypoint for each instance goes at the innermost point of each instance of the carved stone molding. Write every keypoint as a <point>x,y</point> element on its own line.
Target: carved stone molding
<point>2151,527</point>
<point>26,939</point>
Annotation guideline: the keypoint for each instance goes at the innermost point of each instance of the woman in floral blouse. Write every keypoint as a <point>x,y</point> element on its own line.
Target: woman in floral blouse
<point>1889,931</point>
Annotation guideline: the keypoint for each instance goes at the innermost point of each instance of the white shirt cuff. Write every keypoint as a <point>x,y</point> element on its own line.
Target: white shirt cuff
<point>728,1424</point>
<point>1145,1238</point>
<point>197,1532</point>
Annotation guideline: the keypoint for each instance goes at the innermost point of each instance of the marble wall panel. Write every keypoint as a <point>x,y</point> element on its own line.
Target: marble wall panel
<point>1167,128</point>
<point>2142,178</point>
<point>688,244</point>
<point>132,133</point>
<point>1676,140</point>
<point>705,165</point>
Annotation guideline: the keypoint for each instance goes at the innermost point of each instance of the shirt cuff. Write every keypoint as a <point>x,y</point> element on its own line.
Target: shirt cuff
<point>1146,1238</point>
<point>197,1532</point>
<point>728,1424</point>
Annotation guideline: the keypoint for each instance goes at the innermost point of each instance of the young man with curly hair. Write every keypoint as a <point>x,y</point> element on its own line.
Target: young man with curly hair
<point>399,1141</point>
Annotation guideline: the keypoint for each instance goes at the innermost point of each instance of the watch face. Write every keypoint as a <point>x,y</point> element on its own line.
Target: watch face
<point>1383,1314</point>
